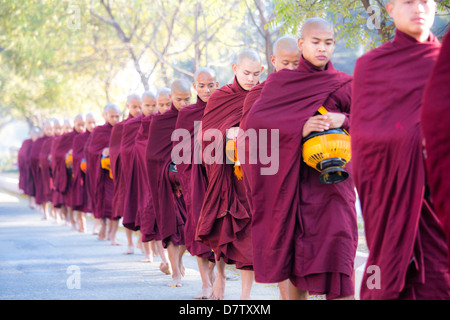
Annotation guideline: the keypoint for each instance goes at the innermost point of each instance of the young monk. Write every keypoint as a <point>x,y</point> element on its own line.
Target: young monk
<point>302,230</point>
<point>25,177</point>
<point>286,55</point>
<point>167,199</point>
<point>436,132</point>
<point>102,185</point>
<point>224,222</point>
<point>405,239</point>
<point>146,212</point>
<point>57,197</point>
<point>79,192</point>
<point>192,179</point>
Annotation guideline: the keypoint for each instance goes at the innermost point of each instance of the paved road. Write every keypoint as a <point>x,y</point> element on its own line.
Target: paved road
<point>42,260</point>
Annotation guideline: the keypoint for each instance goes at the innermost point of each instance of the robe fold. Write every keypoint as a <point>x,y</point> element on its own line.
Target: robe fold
<point>101,185</point>
<point>146,216</point>
<point>169,207</point>
<point>79,192</point>
<point>116,169</point>
<point>224,221</point>
<point>436,103</point>
<point>130,172</point>
<point>44,163</point>
<point>88,177</point>
<point>62,177</point>
<point>192,177</point>
<point>57,197</point>
<point>25,177</point>
<point>36,170</point>
<point>403,234</point>
<point>302,230</point>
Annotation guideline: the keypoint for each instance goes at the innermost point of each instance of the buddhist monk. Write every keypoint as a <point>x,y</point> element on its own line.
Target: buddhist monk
<point>23,159</point>
<point>57,197</point>
<point>101,184</point>
<point>225,220</point>
<point>407,248</point>
<point>79,192</point>
<point>129,171</point>
<point>286,55</point>
<point>150,234</point>
<point>436,133</point>
<point>45,193</point>
<point>166,194</point>
<point>303,230</point>
<point>134,109</point>
<point>192,179</point>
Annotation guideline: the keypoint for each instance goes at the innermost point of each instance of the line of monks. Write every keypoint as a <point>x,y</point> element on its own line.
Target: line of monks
<point>287,227</point>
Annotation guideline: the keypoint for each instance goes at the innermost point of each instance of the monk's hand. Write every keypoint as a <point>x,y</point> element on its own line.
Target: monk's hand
<point>335,120</point>
<point>317,123</point>
<point>105,152</point>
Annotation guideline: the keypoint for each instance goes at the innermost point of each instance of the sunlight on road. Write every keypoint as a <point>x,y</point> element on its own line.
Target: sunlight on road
<point>7,198</point>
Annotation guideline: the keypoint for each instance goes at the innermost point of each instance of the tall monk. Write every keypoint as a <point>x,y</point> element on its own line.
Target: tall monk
<point>43,195</point>
<point>57,197</point>
<point>146,218</point>
<point>302,230</point>
<point>129,171</point>
<point>407,248</point>
<point>134,110</point>
<point>101,184</point>
<point>286,55</point>
<point>26,183</point>
<point>79,192</point>
<point>192,178</point>
<point>167,197</point>
<point>436,133</point>
<point>224,222</point>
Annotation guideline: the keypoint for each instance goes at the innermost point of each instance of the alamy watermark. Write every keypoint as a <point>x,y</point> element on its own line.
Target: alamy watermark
<point>74,279</point>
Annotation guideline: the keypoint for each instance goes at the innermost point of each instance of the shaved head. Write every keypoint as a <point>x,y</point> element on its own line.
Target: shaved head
<point>180,85</point>
<point>316,23</point>
<point>249,54</point>
<point>286,43</point>
<point>163,100</point>
<point>248,69</point>
<point>204,70</point>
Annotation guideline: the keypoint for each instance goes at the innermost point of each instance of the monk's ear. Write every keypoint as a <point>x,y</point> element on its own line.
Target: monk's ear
<point>390,8</point>
<point>234,66</point>
<point>217,84</point>
<point>262,68</point>
<point>300,44</point>
<point>272,59</point>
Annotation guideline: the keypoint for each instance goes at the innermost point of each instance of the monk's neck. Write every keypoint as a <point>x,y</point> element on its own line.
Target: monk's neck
<point>401,36</point>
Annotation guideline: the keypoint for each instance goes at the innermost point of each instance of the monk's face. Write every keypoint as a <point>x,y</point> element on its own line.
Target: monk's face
<point>163,103</point>
<point>113,116</point>
<point>317,45</point>
<point>57,129</point>
<point>248,73</point>
<point>134,107</point>
<point>67,127</point>
<point>415,18</point>
<point>79,125</point>
<point>148,106</point>
<point>181,99</point>
<point>205,84</point>
<point>90,124</point>
<point>286,59</point>
<point>48,130</point>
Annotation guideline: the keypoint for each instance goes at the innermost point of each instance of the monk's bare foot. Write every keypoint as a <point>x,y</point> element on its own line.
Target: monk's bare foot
<point>176,282</point>
<point>114,243</point>
<point>130,250</point>
<point>205,294</point>
<point>218,292</point>
<point>165,268</point>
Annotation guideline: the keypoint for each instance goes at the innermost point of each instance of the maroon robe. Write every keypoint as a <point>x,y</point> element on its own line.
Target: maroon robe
<point>62,177</point>
<point>101,185</point>
<point>116,169</point>
<point>169,207</point>
<point>192,178</point>
<point>57,196</point>
<point>88,178</point>
<point>129,172</point>
<point>437,132</point>
<point>403,234</point>
<point>25,176</point>
<point>146,216</point>
<point>45,168</point>
<point>302,230</point>
<point>224,222</point>
<point>36,170</point>
<point>79,192</point>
